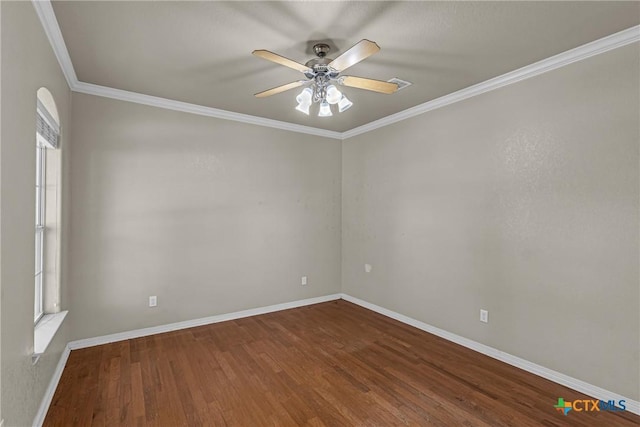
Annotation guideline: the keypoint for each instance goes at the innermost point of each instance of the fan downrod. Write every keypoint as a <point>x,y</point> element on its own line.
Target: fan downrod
<point>319,65</point>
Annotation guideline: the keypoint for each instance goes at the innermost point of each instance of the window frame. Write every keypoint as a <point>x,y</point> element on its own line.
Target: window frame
<point>41,165</point>
<point>47,136</point>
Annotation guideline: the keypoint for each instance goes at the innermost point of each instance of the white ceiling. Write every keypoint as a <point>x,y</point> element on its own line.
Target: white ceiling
<point>200,52</point>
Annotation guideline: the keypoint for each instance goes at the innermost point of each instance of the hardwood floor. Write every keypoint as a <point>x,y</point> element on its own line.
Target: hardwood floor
<point>330,364</point>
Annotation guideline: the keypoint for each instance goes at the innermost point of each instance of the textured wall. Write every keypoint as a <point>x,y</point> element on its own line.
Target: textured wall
<point>27,64</point>
<point>522,201</point>
<point>212,216</point>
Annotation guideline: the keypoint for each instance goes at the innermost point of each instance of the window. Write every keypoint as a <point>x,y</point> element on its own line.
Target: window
<point>47,314</point>
<point>47,131</point>
<point>40,212</point>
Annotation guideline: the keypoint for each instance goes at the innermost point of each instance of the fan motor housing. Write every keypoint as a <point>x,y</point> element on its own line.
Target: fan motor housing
<point>320,66</point>
<point>320,62</point>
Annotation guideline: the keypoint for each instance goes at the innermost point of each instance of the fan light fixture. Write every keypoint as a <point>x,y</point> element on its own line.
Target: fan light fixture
<point>303,108</point>
<point>323,74</point>
<point>333,94</point>
<point>325,110</point>
<point>325,95</point>
<point>344,104</point>
<point>305,98</point>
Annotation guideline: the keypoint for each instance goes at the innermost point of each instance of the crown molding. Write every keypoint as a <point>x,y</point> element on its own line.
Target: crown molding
<point>50,24</point>
<point>185,107</point>
<point>588,50</point>
<point>52,30</point>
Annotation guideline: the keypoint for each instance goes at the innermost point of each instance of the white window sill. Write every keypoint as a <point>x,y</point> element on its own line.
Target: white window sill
<point>45,330</point>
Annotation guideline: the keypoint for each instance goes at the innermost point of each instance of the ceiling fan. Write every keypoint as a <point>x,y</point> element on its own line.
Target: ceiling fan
<point>322,74</point>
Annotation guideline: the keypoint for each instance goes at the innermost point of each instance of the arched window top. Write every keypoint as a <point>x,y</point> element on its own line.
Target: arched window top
<point>46,99</point>
<point>47,120</point>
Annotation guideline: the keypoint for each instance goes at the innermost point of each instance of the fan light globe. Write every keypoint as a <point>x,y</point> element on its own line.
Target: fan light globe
<point>325,110</point>
<point>344,104</point>
<point>333,94</point>
<point>304,108</point>
<point>304,97</point>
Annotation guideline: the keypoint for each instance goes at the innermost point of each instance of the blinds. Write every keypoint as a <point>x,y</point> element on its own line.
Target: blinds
<point>46,128</point>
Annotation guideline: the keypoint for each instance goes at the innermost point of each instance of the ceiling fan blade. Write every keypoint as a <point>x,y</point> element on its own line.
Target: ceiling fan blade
<point>356,53</point>
<point>279,89</point>
<point>368,84</point>
<point>278,59</point>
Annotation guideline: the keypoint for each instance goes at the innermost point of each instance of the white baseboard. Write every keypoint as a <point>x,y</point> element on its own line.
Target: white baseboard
<point>557,377</point>
<point>51,389</point>
<point>90,342</point>
<point>549,374</point>
<point>122,336</point>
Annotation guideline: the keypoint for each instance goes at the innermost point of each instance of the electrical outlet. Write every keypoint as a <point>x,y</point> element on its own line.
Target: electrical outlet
<point>303,281</point>
<point>367,268</point>
<point>153,301</point>
<point>484,316</point>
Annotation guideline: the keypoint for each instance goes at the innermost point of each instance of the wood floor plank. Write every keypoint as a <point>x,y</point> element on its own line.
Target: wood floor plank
<point>330,364</point>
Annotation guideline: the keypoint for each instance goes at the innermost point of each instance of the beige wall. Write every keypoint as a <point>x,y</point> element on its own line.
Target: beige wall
<point>212,216</point>
<point>522,201</point>
<point>27,64</point>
